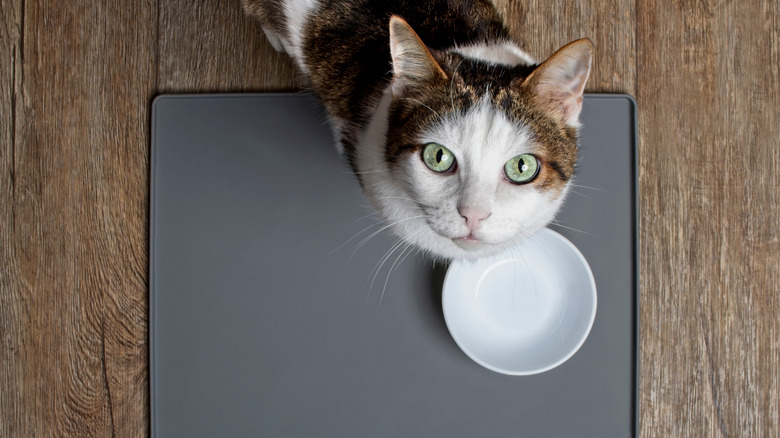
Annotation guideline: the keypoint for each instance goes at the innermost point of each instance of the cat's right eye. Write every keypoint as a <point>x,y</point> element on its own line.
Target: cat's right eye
<point>438,158</point>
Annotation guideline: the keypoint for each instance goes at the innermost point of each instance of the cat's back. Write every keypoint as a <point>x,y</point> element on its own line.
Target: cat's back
<point>351,28</point>
<point>342,46</point>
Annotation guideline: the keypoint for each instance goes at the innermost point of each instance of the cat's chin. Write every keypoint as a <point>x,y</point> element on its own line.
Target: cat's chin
<point>470,244</point>
<point>473,250</point>
<point>445,248</point>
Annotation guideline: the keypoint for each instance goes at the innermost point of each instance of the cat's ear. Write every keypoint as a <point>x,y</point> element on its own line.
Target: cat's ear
<point>558,83</point>
<point>413,64</point>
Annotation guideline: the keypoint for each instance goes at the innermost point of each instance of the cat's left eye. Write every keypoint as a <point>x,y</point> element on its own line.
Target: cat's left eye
<point>522,168</point>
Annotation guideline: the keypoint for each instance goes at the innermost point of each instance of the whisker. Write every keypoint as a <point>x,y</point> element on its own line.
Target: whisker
<point>378,267</point>
<point>367,205</point>
<point>390,271</point>
<point>527,241</point>
<point>361,218</point>
<point>362,173</point>
<point>556,223</point>
<point>419,102</point>
<point>375,224</point>
<point>396,197</point>
<point>587,187</point>
<point>363,242</point>
<point>517,255</point>
<point>400,257</point>
<point>580,194</point>
<point>452,83</point>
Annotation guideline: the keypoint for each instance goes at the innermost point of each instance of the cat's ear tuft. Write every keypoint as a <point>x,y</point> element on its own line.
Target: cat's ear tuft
<point>413,64</point>
<point>558,83</point>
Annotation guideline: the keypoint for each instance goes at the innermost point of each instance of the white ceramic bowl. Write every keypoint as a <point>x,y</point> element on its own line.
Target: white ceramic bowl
<point>524,311</point>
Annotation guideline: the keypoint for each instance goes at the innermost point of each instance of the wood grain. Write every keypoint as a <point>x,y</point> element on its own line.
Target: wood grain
<point>213,46</point>
<point>541,27</point>
<point>710,124</point>
<point>76,82</point>
<point>74,313</point>
<point>13,318</point>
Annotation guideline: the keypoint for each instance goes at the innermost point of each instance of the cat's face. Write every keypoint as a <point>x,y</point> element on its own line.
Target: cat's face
<point>465,175</point>
<point>474,159</point>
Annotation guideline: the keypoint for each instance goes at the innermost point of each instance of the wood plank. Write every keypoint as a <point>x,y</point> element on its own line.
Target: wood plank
<point>214,47</point>
<point>541,27</point>
<point>74,230</point>
<point>12,314</point>
<point>709,117</point>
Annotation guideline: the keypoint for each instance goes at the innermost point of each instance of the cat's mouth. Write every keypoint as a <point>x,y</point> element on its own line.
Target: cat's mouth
<point>470,242</point>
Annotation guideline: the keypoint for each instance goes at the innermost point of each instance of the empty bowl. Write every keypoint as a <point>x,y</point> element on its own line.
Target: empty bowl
<point>524,311</point>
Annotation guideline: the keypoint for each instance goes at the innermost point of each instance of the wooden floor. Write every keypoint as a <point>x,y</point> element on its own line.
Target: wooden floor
<point>76,83</point>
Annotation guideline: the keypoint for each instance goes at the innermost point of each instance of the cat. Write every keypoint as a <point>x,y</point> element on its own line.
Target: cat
<point>461,141</point>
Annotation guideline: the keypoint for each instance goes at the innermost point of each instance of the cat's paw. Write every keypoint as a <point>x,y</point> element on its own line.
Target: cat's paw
<point>275,40</point>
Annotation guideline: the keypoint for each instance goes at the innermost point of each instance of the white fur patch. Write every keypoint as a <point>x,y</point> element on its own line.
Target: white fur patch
<point>423,205</point>
<point>506,53</point>
<point>296,14</point>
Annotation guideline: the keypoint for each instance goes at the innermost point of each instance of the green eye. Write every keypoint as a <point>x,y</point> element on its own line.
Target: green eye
<point>522,168</point>
<point>437,157</point>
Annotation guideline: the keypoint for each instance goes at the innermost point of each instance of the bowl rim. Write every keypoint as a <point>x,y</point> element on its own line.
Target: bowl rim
<point>545,233</point>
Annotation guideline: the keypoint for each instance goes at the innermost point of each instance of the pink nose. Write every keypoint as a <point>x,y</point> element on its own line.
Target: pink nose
<point>473,216</point>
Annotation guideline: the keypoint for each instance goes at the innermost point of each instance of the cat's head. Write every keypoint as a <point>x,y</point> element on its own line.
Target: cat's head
<point>479,143</point>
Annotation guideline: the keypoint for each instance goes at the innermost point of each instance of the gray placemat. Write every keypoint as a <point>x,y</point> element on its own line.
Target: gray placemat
<point>274,314</point>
